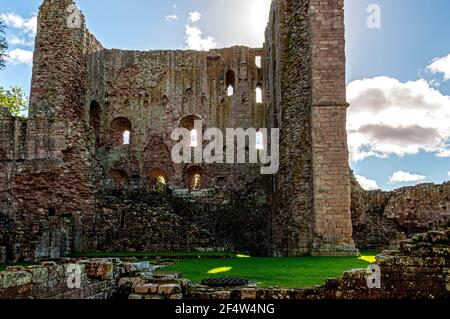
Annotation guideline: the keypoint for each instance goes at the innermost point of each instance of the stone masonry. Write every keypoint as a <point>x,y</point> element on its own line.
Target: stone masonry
<point>102,118</point>
<point>381,219</point>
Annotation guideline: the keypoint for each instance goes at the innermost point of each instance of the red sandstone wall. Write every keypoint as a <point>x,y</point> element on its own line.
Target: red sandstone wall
<point>289,88</point>
<point>305,54</point>
<point>331,183</point>
<point>156,90</point>
<point>381,219</point>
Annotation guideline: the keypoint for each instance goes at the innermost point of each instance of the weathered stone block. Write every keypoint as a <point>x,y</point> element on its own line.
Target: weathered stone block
<point>130,282</point>
<point>145,289</point>
<point>169,289</point>
<point>16,278</point>
<point>99,270</point>
<point>248,293</point>
<point>39,275</point>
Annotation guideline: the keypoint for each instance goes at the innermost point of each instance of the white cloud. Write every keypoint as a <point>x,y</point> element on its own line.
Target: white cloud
<point>194,16</point>
<point>448,173</point>
<point>367,184</point>
<point>441,65</point>
<point>19,56</point>
<point>405,177</point>
<point>388,117</point>
<point>16,21</point>
<point>444,153</point>
<point>196,41</point>
<point>171,18</point>
<point>14,40</point>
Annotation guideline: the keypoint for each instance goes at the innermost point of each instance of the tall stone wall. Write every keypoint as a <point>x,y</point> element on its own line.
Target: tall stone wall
<point>157,91</point>
<point>331,183</point>
<point>48,175</point>
<point>305,67</point>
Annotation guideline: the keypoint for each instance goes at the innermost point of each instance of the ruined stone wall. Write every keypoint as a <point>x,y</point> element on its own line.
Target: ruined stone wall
<point>150,221</point>
<point>51,168</point>
<point>49,173</point>
<point>289,86</point>
<point>155,91</point>
<point>305,67</point>
<point>83,97</point>
<point>381,218</point>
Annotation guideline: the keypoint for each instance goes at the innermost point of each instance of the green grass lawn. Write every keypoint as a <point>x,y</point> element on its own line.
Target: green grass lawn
<point>292,272</point>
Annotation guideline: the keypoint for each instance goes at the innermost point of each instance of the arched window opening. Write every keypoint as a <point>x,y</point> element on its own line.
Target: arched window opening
<point>120,131</point>
<point>161,179</point>
<point>194,178</point>
<point>158,180</point>
<point>94,120</point>
<point>258,61</point>
<point>194,138</point>
<point>259,97</point>
<point>188,123</point>
<point>259,141</point>
<point>126,138</point>
<point>230,82</point>
<point>230,91</point>
<point>197,182</point>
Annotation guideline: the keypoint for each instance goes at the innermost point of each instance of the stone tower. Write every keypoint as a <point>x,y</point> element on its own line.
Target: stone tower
<point>57,101</point>
<point>305,71</point>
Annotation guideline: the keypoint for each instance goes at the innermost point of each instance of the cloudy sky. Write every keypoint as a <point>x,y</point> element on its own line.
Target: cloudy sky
<point>398,67</point>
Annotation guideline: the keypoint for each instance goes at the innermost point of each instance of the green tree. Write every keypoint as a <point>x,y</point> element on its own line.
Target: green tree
<point>3,45</point>
<point>14,99</point>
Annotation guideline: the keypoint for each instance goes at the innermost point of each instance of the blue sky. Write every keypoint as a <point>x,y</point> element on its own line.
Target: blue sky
<point>398,75</point>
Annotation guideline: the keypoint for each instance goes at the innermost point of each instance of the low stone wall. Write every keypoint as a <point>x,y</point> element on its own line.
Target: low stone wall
<point>69,279</point>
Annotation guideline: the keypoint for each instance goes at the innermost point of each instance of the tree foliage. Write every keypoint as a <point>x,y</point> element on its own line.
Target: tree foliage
<point>3,45</point>
<point>14,99</point>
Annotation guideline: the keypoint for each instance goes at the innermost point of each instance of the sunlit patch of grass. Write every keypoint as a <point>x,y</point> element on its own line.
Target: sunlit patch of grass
<point>369,256</point>
<point>219,270</point>
<point>242,256</point>
<point>369,259</point>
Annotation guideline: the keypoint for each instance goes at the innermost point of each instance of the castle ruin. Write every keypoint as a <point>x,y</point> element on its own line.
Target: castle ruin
<point>91,168</point>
